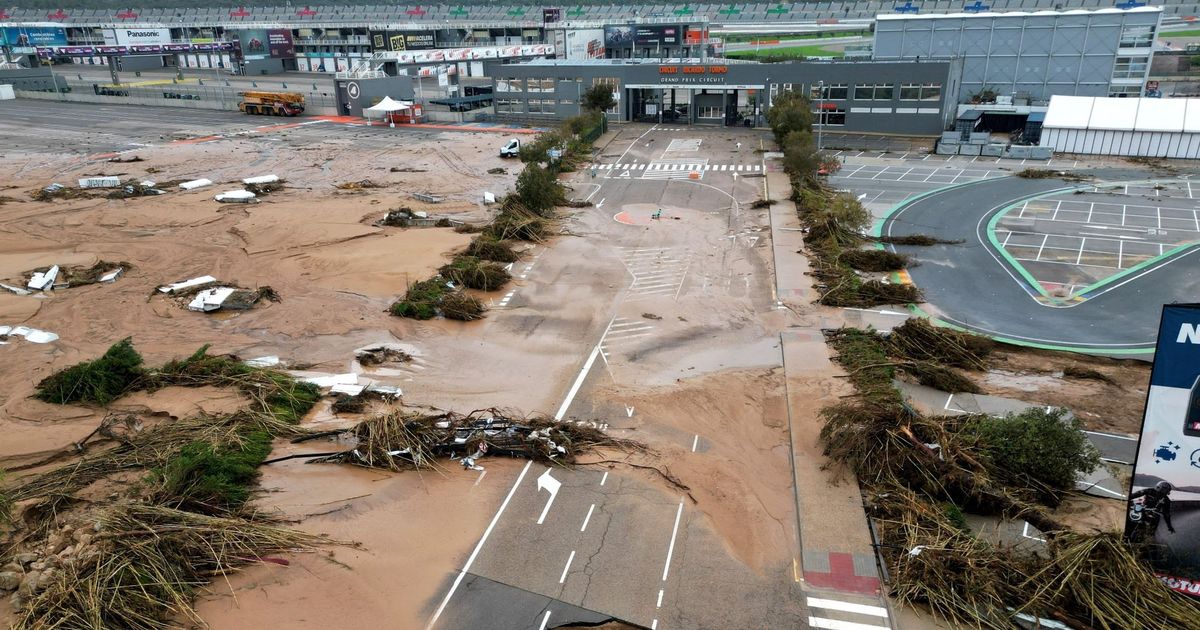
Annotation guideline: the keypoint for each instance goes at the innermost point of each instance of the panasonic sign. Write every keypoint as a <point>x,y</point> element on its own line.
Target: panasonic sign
<point>137,36</point>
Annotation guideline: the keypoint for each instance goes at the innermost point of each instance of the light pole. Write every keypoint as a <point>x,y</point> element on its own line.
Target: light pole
<point>820,111</point>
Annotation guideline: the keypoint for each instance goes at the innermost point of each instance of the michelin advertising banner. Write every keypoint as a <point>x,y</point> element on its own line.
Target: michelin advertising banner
<point>1164,505</point>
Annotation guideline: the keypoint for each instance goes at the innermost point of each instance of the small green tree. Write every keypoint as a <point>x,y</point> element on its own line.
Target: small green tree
<point>538,190</point>
<point>1036,444</point>
<point>801,160</point>
<point>598,98</point>
<point>790,111</point>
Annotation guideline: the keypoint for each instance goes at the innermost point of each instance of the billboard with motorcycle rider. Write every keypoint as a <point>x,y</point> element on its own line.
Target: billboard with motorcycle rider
<point>1164,498</point>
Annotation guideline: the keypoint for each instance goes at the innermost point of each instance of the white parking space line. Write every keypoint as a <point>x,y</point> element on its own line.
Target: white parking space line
<point>860,609</point>
<point>835,624</point>
<point>671,548</point>
<point>567,568</point>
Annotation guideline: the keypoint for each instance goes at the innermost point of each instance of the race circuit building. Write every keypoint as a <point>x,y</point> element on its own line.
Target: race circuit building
<point>872,96</point>
<point>1030,56</point>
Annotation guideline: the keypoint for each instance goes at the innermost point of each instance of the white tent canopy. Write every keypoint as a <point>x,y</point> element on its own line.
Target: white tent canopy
<point>1145,127</point>
<point>388,105</point>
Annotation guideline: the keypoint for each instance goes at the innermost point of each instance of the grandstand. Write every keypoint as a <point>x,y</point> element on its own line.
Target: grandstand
<point>516,13</point>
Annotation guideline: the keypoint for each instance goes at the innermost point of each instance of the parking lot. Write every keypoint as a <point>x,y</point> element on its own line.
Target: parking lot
<point>1070,242</point>
<point>979,160</point>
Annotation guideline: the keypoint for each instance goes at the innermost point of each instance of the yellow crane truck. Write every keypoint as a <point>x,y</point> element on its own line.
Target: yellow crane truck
<point>272,103</point>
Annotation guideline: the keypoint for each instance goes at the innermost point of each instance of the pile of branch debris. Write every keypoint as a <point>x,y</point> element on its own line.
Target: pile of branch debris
<point>403,440</point>
<point>206,294</point>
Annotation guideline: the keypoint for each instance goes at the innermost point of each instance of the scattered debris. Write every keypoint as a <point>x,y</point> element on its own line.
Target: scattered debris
<point>406,169</point>
<point>195,183</point>
<point>263,362</point>
<point>124,160</point>
<point>407,440</point>
<point>762,203</point>
<point>184,285</point>
<point>379,355</point>
<point>236,196</point>
<point>651,316</point>
<point>43,280</point>
<point>261,179</point>
<point>145,188</point>
<point>401,217</point>
<point>427,198</point>
<point>499,170</point>
<point>874,260</point>
<point>100,182</point>
<point>486,248</point>
<point>489,198</point>
<point>210,300</point>
<point>473,273</point>
<point>922,240</point>
<point>361,184</point>
<point>32,335</point>
<point>17,290</point>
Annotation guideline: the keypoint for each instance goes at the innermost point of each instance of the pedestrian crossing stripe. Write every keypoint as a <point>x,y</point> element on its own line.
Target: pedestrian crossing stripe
<point>660,166</point>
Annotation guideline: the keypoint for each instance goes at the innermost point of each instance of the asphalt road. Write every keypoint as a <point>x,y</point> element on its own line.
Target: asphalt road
<point>618,545</point>
<point>970,285</point>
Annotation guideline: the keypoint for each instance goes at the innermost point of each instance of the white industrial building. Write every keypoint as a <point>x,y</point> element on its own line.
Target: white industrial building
<point>1143,127</point>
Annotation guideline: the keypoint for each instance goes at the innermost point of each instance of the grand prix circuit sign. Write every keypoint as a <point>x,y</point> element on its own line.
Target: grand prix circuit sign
<point>1164,506</point>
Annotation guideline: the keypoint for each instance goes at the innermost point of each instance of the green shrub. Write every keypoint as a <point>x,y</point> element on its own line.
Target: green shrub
<point>470,272</point>
<point>281,395</point>
<point>206,478</point>
<point>538,190</point>
<point>421,299</point>
<point>99,381</point>
<point>491,249</point>
<point>874,260</point>
<point>1036,444</point>
<point>414,310</point>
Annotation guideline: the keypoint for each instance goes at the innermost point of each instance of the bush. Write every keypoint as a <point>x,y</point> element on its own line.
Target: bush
<point>874,260</point>
<point>206,478</point>
<point>100,381</point>
<point>516,223</point>
<point>1036,444</point>
<point>463,307</point>
<point>598,98</point>
<point>487,248</point>
<point>470,272</point>
<point>538,190</point>
<point>421,299</point>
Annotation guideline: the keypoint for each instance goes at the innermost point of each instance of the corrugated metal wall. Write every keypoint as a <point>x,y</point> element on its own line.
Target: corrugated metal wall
<point>1124,143</point>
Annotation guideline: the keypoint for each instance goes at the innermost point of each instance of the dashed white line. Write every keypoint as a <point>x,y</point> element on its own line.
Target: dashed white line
<point>583,372</point>
<point>570,558</point>
<point>545,620</point>
<point>587,518</point>
<point>604,478</point>
<point>695,442</point>
<point>660,596</point>
<point>654,625</point>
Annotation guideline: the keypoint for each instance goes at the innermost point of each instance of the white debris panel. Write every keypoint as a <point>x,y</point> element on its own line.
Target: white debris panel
<point>210,300</point>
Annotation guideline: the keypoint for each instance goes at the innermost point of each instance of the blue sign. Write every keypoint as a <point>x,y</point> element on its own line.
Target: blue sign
<point>1165,491</point>
<point>1129,4</point>
<point>908,7</point>
<point>25,36</point>
<point>977,7</point>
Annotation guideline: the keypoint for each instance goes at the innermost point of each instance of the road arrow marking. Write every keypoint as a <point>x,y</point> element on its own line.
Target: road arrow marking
<point>628,411</point>
<point>735,177</point>
<point>508,267</point>
<point>551,485</point>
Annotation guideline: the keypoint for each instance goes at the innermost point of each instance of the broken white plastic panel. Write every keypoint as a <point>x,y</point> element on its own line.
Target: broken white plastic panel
<point>489,197</point>
<point>332,379</point>
<point>210,300</point>
<point>420,214</point>
<point>343,388</point>
<point>42,281</point>
<point>186,284</point>
<point>145,183</point>
<point>100,182</point>
<point>17,290</point>
<point>195,183</point>
<point>387,391</point>
<point>235,196</point>
<point>113,275</point>
<point>30,334</point>
<point>261,179</point>
<point>263,362</point>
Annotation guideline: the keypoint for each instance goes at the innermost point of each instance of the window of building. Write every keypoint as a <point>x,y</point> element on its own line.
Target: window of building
<point>1137,36</point>
<point>1125,91</point>
<point>832,92</point>
<point>566,101</point>
<point>510,85</point>
<point>541,85</point>
<point>711,112</point>
<point>829,116</point>
<point>1130,67</point>
<point>877,92</point>
<point>921,92</point>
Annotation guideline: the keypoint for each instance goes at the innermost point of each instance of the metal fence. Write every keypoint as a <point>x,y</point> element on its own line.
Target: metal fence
<point>226,96</point>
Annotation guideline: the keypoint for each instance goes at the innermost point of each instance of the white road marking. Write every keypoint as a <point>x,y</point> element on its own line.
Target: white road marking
<point>471,560</point>
<point>583,372</point>
<point>570,558</point>
<point>660,596</point>
<point>481,474</point>
<point>695,442</point>
<point>587,518</point>
<point>860,609</point>
<point>551,485</point>
<point>834,624</point>
<point>654,625</point>
<point>545,620</point>
<point>604,478</point>
<point>671,548</point>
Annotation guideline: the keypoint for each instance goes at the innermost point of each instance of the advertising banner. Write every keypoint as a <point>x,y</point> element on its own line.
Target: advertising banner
<point>1164,499</point>
<point>585,44</point>
<point>402,40</point>
<point>629,36</point>
<point>279,43</point>
<point>253,42</point>
<point>136,36</point>
<point>27,36</point>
